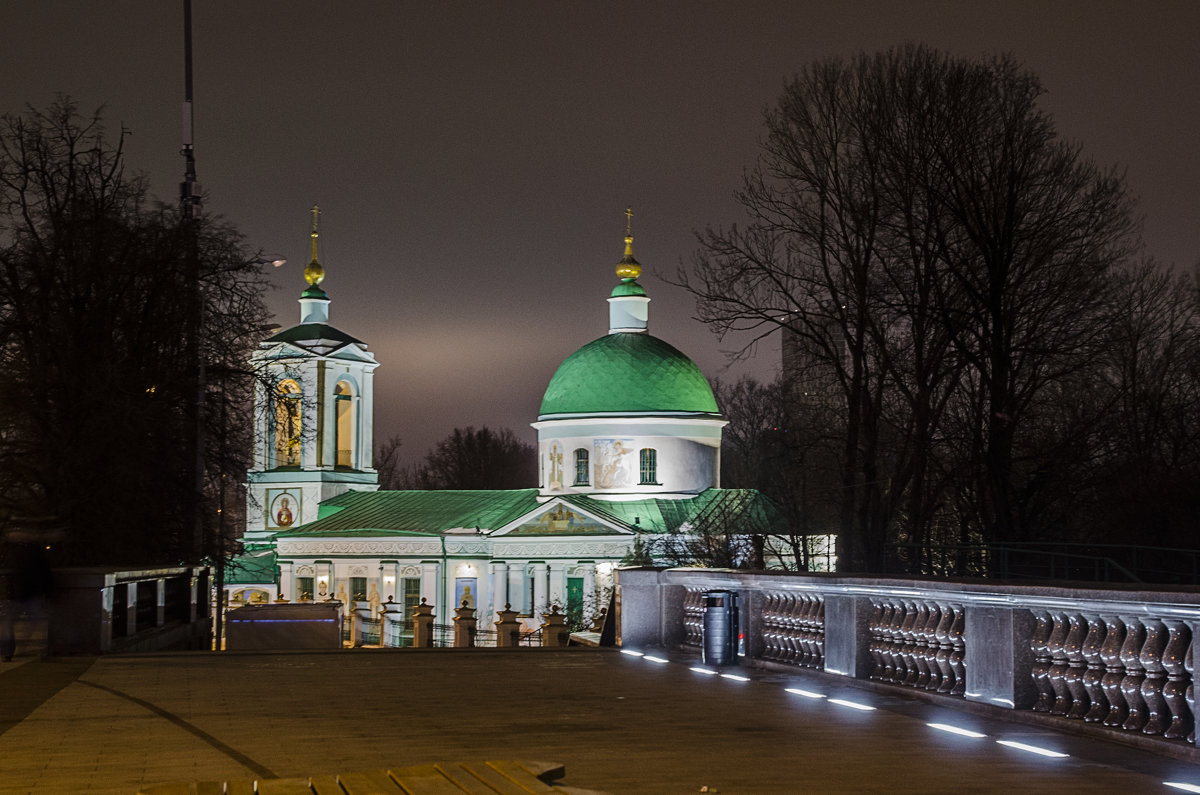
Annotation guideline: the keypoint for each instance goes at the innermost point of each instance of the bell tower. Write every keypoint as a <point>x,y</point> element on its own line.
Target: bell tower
<point>313,415</point>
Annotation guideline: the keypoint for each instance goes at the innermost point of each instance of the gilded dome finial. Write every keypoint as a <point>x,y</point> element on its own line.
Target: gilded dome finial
<point>315,272</point>
<point>628,267</point>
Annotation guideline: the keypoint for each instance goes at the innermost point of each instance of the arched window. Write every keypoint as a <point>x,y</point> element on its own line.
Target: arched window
<point>648,458</point>
<point>344,424</point>
<point>288,424</point>
<point>581,467</point>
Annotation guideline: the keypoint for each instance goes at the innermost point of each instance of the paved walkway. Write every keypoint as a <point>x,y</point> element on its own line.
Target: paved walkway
<point>619,723</point>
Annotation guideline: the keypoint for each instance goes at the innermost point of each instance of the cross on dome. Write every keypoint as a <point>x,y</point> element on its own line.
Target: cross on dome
<point>314,274</point>
<point>629,268</point>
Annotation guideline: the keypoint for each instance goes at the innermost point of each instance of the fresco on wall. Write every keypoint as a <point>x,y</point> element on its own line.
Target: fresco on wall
<point>554,476</point>
<point>561,520</point>
<point>616,461</point>
<point>465,589</point>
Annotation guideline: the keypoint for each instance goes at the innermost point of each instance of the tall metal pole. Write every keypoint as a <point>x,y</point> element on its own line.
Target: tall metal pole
<point>189,203</point>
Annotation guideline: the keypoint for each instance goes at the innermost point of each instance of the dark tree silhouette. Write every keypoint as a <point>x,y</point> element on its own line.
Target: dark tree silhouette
<point>478,459</point>
<point>938,260</point>
<point>96,384</point>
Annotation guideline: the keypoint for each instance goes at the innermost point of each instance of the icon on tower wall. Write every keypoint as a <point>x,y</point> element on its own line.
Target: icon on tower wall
<point>283,507</point>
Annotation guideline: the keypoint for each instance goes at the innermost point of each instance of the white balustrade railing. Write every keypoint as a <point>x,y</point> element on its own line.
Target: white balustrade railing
<point>1116,658</point>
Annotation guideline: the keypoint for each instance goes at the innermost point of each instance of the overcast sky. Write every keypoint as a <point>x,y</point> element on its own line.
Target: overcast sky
<point>473,161</point>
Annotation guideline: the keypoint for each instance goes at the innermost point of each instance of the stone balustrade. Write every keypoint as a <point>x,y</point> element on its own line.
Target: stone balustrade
<point>1120,658</point>
<point>98,610</point>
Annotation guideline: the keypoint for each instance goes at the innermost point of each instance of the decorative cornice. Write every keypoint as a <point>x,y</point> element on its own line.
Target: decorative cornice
<point>426,548</point>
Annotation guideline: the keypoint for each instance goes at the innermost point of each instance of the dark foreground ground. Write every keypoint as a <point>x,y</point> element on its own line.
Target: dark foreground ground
<point>619,723</point>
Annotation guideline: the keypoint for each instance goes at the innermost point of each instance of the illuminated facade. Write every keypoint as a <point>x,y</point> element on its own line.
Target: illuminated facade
<point>628,416</point>
<point>629,440</point>
<point>313,418</point>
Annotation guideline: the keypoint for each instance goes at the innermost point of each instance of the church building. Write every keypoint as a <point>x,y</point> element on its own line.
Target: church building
<point>629,438</point>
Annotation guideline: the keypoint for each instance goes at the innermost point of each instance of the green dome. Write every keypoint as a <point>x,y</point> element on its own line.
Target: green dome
<point>628,287</point>
<point>628,373</point>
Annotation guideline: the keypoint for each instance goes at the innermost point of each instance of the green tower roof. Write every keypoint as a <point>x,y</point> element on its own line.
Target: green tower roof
<point>628,372</point>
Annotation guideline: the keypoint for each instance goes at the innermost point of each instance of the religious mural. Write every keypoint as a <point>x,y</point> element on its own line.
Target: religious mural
<point>561,520</point>
<point>465,589</point>
<point>554,477</point>
<point>615,463</point>
<point>283,507</point>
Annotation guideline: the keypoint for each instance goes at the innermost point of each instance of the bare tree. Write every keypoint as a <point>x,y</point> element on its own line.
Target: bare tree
<point>95,382</point>
<point>479,459</point>
<point>388,463</point>
<point>936,258</point>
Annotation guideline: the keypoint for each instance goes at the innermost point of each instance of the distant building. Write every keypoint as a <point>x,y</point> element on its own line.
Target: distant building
<point>629,438</point>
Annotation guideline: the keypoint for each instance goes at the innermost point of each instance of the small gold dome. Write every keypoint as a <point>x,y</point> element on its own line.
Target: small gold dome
<point>628,267</point>
<point>314,273</point>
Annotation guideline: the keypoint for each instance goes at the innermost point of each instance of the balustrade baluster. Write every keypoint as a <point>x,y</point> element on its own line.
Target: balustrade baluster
<point>1095,670</point>
<point>1114,671</point>
<point>930,675</point>
<point>883,640</point>
<point>1058,667</point>
<point>1179,641</point>
<point>794,651</point>
<point>1041,660</point>
<point>908,644</point>
<point>1131,685</point>
<point>1151,659</point>
<point>873,625</point>
<point>958,653</point>
<point>803,641</point>
<point>945,675</point>
<point>891,636</point>
<point>1189,667</point>
<point>1080,701</point>
<point>819,633</point>
<point>917,667</point>
<point>767,622</point>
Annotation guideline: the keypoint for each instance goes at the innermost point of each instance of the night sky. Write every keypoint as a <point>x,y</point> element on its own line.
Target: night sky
<point>473,161</point>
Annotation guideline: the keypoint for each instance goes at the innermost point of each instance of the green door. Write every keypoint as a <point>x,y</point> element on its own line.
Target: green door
<point>575,602</point>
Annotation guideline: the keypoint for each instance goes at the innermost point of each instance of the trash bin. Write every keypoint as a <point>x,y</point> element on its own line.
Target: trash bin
<point>720,628</point>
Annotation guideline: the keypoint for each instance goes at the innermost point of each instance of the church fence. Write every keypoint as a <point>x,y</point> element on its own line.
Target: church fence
<point>1116,659</point>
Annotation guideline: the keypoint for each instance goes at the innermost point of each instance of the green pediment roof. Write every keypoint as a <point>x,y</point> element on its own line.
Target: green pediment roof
<point>627,372</point>
<point>746,507</point>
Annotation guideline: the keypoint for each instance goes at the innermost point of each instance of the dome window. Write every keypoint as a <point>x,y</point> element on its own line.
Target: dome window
<point>648,459</point>
<point>581,467</point>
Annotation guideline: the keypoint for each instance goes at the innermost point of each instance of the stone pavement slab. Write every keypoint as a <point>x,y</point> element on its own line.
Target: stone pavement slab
<point>618,723</point>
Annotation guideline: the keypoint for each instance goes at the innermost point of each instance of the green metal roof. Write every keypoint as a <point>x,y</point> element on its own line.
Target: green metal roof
<point>628,287</point>
<point>418,512</point>
<point>253,567</point>
<point>430,513</point>
<point>313,331</point>
<point>746,506</point>
<point>628,372</point>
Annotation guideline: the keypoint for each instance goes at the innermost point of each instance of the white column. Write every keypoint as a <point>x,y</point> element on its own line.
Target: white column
<point>366,420</point>
<point>429,586</point>
<point>499,587</point>
<point>558,586</point>
<point>589,592</point>
<point>287,586</point>
<point>391,589</point>
<point>539,590</point>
